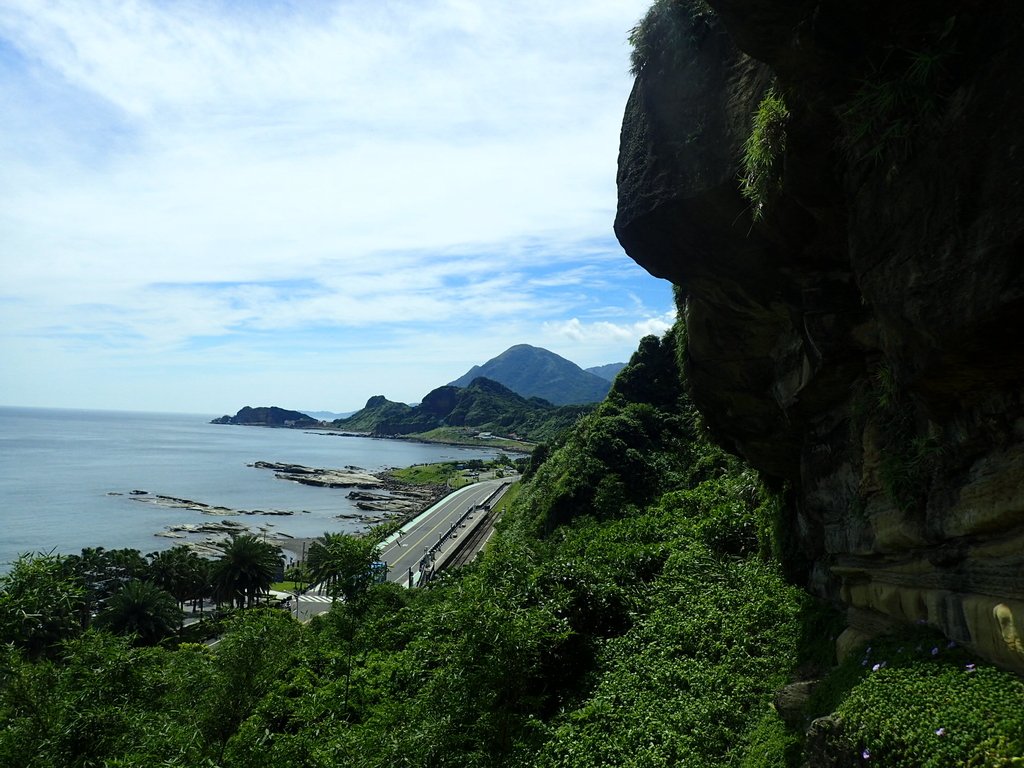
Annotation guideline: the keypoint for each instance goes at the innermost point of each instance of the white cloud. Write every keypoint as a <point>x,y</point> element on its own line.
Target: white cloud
<point>245,174</point>
<point>604,331</point>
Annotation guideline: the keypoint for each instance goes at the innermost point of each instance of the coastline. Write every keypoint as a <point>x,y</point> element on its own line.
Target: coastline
<point>506,445</point>
<point>68,476</point>
<point>379,497</point>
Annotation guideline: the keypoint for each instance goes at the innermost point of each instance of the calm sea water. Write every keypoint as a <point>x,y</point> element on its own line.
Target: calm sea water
<point>60,471</point>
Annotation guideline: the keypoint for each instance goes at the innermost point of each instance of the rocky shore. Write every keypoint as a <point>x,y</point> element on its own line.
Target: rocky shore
<point>378,493</point>
<point>347,477</point>
<point>379,498</point>
<point>173,502</point>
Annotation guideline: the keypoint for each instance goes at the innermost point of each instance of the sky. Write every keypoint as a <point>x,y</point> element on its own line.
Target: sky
<point>216,203</point>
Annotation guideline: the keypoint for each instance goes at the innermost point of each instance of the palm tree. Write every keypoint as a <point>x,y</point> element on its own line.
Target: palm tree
<point>142,609</point>
<point>103,573</point>
<point>342,563</point>
<point>181,572</point>
<point>246,569</point>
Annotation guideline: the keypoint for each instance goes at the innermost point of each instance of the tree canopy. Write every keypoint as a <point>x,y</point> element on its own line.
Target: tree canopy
<point>246,569</point>
<point>143,610</point>
<point>342,563</point>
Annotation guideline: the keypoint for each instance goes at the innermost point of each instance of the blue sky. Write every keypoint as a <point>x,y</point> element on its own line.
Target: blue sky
<point>216,204</point>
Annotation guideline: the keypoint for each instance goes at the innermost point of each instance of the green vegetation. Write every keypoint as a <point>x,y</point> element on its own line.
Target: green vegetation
<point>446,473</point>
<point>910,452</point>
<point>342,564</point>
<point>468,436</point>
<point>453,414</point>
<point>763,153</point>
<point>181,572</point>
<point>425,474</point>
<point>661,37</point>
<point>245,570</point>
<point>142,610</point>
<point>41,604</point>
<point>900,95</point>
<point>454,474</point>
<point>508,499</point>
<point>378,410</point>
<point>628,612</point>
<point>915,700</point>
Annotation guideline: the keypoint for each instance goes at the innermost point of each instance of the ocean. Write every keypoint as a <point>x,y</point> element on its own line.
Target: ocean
<point>67,476</point>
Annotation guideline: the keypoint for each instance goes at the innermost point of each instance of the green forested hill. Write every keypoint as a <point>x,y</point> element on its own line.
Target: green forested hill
<point>484,405</point>
<point>378,410</point>
<point>630,611</point>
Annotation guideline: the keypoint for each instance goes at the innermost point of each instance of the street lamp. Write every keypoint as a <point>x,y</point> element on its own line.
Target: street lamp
<point>300,572</point>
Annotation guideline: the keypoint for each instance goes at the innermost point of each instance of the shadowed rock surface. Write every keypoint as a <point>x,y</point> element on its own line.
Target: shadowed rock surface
<point>859,340</point>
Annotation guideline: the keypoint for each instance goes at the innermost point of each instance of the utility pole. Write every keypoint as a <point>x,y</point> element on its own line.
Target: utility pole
<point>300,570</point>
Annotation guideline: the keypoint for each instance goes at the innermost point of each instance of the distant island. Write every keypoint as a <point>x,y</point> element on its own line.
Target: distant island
<point>271,416</point>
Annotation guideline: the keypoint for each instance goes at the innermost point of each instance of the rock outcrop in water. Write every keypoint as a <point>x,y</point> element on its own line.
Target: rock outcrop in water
<point>271,416</point>
<point>349,477</point>
<point>853,321</point>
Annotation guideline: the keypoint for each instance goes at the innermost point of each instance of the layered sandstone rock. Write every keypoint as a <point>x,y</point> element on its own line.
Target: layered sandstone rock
<point>860,340</point>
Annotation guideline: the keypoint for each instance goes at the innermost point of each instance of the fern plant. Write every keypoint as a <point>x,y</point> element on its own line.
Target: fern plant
<point>901,93</point>
<point>763,153</point>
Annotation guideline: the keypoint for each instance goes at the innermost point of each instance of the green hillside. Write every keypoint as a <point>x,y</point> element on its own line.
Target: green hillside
<point>378,410</point>
<point>483,406</point>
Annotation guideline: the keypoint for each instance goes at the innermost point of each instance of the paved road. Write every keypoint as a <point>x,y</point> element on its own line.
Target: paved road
<point>405,551</point>
<point>402,552</point>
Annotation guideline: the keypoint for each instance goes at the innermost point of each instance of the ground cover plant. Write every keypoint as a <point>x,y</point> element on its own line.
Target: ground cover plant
<point>915,699</point>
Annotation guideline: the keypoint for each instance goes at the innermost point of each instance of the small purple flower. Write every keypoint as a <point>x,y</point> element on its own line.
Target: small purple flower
<point>866,753</point>
<point>935,651</point>
<point>971,667</point>
<point>876,667</point>
<point>940,732</point>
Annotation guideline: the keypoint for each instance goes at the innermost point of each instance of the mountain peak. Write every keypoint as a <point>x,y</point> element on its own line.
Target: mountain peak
<point>537,372</point>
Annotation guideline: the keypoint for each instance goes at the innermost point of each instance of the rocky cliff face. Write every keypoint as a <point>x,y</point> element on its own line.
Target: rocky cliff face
<point>854,330</point>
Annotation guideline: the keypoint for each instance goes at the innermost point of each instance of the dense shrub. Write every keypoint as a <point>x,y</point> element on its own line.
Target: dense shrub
<point>661,37</point>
